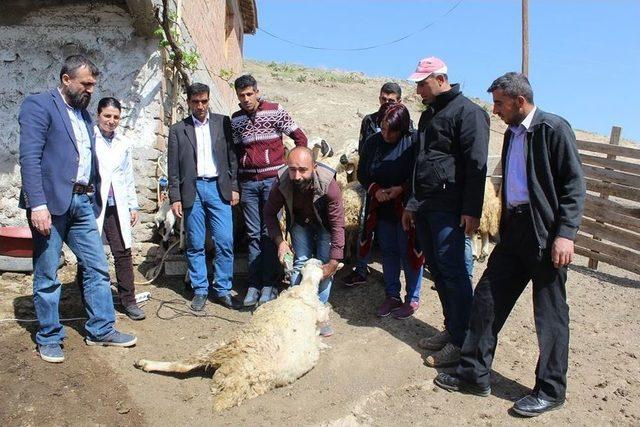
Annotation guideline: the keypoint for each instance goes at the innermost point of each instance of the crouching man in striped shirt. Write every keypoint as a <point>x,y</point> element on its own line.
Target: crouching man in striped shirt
<point>257,132</point>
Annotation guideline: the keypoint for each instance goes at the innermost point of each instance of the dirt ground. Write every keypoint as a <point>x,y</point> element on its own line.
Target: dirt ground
<point>372,374</point>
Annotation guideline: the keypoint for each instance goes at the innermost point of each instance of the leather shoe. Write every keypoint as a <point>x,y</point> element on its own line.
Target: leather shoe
<point>225,301</point>
<point>198,302</point>
<point>532,406</point>
<point>453,383</point>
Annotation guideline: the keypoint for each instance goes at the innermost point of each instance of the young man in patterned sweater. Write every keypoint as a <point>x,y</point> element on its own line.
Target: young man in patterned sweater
<point>257,132</point>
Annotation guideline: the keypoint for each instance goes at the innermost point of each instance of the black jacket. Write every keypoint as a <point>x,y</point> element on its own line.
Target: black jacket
<point>554,178</point>
<point>181,159</point>
<point>451,159</point>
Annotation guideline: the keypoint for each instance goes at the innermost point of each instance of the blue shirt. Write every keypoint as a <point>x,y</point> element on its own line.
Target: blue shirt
<point>517,191</point>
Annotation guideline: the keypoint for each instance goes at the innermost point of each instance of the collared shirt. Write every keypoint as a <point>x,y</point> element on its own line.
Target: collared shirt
<point>205,159</point>
<point>83,141</point>
<point>517,190</point>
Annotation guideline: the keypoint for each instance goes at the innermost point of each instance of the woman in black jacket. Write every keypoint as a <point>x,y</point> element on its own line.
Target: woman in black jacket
<point>386,164</point>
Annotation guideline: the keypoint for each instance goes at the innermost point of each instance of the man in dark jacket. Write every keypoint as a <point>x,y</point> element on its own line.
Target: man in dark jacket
<point>203,187</point>
<point>315,218</point>
<point>447,196</point>
<point>542,203</point>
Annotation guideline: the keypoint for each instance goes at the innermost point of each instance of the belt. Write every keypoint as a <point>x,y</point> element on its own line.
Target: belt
<point>207,178</point>
<point>519,209</point>
<point>82,189</point>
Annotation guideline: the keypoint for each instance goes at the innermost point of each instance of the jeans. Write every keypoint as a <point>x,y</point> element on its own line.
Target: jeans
<point>443,244</point>
<point>311,241</point>
<point>78,229</point>
<point>468,255</point>
<point>393,246</point>
<point>514,262</point>
<point>263,262</point>
<point>209,210</point>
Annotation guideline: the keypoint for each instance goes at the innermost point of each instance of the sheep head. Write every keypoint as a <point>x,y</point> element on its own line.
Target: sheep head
<point>312,273</point>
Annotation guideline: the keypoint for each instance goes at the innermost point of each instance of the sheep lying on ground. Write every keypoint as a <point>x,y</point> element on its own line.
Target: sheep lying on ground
<point>279,345</point>
<point>489,221</point>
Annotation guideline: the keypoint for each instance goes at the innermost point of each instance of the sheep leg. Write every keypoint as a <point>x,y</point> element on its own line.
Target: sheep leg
<point>474,246</point>
<point>484,252</point>
<point>174,367</point>
<point>203,359</point>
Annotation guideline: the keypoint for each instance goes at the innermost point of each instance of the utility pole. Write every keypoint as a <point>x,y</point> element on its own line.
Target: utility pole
<point>525,37</point>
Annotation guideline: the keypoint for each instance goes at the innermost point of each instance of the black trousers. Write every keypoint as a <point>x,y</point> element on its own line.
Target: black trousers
<point>515,261</point>
<point>122,258</point>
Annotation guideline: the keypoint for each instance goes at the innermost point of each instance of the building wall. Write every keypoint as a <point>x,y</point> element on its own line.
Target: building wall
<point>33,48</point>
<point>35,41</point>
<point>215,26</point>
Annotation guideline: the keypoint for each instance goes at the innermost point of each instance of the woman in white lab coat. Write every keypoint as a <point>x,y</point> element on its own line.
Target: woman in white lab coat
<point>119,202</point>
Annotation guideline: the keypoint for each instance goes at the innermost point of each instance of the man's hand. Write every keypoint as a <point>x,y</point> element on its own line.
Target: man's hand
<point>176,208</point>
<point>562,252</point>
<point>283,249</point>
<point>41,220</point>
<point>394,192</point>
<point>329,269</point>
<point>134,217</point>
<point>235,198</point>
<point>408,220</point>
<point>469,223</point>
<point>382,196</point>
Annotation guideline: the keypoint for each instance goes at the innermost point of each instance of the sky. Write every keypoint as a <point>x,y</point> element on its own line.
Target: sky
<point>583,54</point>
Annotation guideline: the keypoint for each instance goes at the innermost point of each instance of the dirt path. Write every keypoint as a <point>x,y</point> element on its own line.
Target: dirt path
<point>372,374</point>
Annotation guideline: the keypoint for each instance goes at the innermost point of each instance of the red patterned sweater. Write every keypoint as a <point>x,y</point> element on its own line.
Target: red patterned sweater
<point>258,140</point>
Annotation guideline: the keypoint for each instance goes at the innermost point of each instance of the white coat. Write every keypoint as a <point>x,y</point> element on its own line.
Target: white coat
<point>115,164</point>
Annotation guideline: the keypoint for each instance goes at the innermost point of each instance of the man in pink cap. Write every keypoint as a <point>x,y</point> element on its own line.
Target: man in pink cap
<point>446,197</point>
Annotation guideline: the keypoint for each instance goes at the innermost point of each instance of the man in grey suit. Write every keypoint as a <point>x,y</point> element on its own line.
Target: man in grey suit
<point>202,188</point>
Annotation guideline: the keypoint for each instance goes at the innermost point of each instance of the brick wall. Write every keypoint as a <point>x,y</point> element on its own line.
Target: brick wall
<point>215,26</point>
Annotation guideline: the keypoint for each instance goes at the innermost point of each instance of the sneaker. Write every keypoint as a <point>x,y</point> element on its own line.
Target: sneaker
<point>390,304</point>
<point>251,298</point>
<point>134,312</point>
<point>267,294</point>
<point>354,279</point>
<point>51,353</point>
<point>115,339</point>
<point>448,356</point>
<point>406,310</point>
<point>435,342</point>
<point>325,329</point>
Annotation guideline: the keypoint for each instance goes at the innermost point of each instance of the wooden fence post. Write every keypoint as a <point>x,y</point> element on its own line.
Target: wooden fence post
<point>614,139</point>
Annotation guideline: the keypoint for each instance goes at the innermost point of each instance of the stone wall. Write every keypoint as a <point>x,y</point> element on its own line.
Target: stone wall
<point>37,36</point>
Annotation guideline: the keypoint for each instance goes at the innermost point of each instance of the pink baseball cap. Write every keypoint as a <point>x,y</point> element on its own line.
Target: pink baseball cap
<point>426,67</point>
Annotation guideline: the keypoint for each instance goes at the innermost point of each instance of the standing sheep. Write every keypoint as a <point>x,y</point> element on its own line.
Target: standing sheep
<point>353,195</point>
<point>489,221</point>
<point>279,345</point>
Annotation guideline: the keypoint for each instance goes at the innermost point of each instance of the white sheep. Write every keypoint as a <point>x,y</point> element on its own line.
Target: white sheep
<point>353,195</point>
<point>279,345</point>
<point>489,220</point>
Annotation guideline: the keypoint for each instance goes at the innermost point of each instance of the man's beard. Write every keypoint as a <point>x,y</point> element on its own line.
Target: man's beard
<point>303,185</point>
<point>78,100</point>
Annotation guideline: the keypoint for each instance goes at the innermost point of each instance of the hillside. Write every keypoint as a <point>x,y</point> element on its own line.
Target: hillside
<point>331,103</point>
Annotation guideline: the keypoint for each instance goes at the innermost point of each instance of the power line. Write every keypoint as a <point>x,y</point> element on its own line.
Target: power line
<point>365,47</point>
